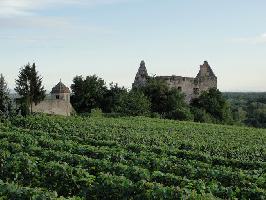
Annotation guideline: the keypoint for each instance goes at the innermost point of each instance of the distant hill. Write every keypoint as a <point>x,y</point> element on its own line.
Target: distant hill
<point>245,95</point>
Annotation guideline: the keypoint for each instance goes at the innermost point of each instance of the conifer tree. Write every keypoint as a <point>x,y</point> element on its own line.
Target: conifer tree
<point>29,87</point>
<point>5,101</point>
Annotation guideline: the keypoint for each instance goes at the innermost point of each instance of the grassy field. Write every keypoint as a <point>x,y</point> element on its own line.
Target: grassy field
<point>44,157</point>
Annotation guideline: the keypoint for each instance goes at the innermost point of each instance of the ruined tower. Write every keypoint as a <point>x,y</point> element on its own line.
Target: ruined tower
<point>206,77</point>
<point>141,76</point>
<point>190,86</point>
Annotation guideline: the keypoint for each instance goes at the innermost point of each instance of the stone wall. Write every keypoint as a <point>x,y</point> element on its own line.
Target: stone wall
<point>187,85</point>
<point>141,76</point>
<point>205,83</point>
<point>191,87</point>
<point>61,96</point>
<point>54,107</point>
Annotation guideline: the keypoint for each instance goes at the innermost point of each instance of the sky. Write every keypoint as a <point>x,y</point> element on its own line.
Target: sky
<point>109,38</point>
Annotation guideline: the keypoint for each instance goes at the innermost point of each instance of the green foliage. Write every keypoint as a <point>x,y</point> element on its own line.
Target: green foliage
<point>5,101</point>
<point>170,103</point>
<point>155,115</point>
<point>88,93</point>
<point>134,103</point>
<point>239,115</point>
<point>112,98</point>
<point>12,191</point>
<point>156,90</point>
<point>257,115</point>
<point>29,87</point>
<point>176,106</point>
<point>182,114</point>
<point>113,187</point>
<point>248,108</point>
<point>200,115</point>
<point>97,112</point>
<point>212,103</point>
<point>132,158</point>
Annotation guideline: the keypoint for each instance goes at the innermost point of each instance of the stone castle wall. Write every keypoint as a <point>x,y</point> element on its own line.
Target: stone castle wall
<point>61,96</point>
<point>57,103</point>
<point>54,107</point>
<point>191,87</point>
<point>187,85</point>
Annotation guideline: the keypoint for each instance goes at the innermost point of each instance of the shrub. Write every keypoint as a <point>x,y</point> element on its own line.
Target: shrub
<point>96,112</point>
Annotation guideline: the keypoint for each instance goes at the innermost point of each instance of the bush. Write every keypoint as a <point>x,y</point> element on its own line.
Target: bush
<point>134,103</point>
<point>96,112</point>
<point>155,115</point>
<point>200,115</point>
<point>182,114</point>
<point>212,103</point>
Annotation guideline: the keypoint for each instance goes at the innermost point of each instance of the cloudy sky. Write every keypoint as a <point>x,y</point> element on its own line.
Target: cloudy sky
<point>109,38</point>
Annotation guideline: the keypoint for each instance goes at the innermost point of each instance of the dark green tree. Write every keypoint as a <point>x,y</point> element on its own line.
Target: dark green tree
<point>176,107</point>
<point>256,114</point>
<point>157,91</point>
<point>88,93</point>
<point>29,87</point>
<point>134,103</point>
<point>214,104</point>
<point>200,115</point>
<point>5,101</point>
<point>112,97</point>
<point>169,103</point>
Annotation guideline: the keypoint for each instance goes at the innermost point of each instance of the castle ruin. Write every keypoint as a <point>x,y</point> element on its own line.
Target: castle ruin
<point>57,103</point>
<point>191,87</point>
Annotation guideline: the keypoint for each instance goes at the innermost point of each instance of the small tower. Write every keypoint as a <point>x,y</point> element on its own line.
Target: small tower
<point>141,76</point>
<point>61,92</point>
<point>205,70</point>
<point>206,77</point>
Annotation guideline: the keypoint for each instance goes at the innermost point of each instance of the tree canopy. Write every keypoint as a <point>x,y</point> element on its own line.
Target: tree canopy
<point>168,102</point>
<point>5,101</point>
<point>134,103</point>
<point>88,93</point>
<point>213,103</point>
<point>29,86</point>
<point>112,98</point>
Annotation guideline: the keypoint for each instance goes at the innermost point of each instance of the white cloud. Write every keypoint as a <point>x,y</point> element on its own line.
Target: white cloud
<point>25,15</point>
<point>260,39</point>
<point>11,8</point>
<point>264,35</point>
<point>22,23</point>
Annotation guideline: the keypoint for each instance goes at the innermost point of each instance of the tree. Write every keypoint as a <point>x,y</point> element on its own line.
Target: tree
<point>169,103</point>
<point>176,107</point>
<point>200,115</point>
<point>5,101</point>
<point>112,97</point>
<point>238,114</point>
<point>29,87</point>
<point>256,115</point>
<point>215,104</point>
<point>134,103</point>
<point>88,93</point>
<point>156,90</point>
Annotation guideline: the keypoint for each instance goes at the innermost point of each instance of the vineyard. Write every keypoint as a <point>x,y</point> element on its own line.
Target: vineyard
<point>45,157</point>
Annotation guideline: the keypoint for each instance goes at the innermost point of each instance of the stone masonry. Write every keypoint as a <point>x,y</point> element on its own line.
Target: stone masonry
<point>58,103</point>
<point>191,87</point>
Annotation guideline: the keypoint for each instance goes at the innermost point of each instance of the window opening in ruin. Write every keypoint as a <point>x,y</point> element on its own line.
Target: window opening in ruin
<point>179,88</point>
<point>57,96</point>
